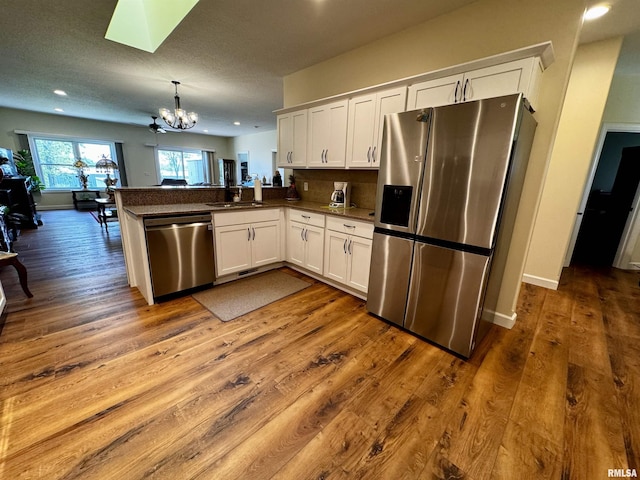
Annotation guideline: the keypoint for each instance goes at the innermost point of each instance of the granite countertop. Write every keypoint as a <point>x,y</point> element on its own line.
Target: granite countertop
<point>363,214</point>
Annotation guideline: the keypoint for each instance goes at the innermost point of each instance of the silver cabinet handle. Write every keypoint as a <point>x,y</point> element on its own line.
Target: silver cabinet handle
<point>349,246</point>
<point>346,225</point>
<point>464,90</point>
<point>254,233</point>
<point>369,155</point>
<point>306,217</point>
<point>344,246</point>
<point>326,155</point>
<point>306,235</point>
<point>302,234</point>
<point>373,155</point>
<point>248,234</point>
<point>455,95</point>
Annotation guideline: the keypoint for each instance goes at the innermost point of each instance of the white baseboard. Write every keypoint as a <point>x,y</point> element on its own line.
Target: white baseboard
<point>500,319</point>
<point>540,282</point>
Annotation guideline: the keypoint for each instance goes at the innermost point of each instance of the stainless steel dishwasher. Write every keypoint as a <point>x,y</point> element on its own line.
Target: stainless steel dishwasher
<point>180,252</point>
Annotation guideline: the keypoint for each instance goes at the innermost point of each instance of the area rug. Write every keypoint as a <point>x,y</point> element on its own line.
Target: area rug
<point>234,299</point>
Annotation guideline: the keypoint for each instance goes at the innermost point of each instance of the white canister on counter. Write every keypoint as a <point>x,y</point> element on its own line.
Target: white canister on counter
<point>257,190</point>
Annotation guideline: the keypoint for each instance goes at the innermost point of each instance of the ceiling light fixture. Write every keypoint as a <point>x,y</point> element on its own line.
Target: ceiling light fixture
<point>179,118</point>
<point>154,127</point>
<point>596,12</point>
<point>62,93</point>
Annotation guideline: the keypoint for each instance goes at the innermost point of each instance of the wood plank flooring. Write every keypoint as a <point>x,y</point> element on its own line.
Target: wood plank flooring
<point>96,384</point>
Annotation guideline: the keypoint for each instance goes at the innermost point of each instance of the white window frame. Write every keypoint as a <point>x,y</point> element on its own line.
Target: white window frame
<point>182,150</point>
<point>75,141</point>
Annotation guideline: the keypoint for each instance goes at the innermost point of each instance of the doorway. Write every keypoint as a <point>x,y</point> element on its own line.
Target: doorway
<point>610,200</point>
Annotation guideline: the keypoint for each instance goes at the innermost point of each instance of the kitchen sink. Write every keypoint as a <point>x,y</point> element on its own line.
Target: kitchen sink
<point>225,205</point>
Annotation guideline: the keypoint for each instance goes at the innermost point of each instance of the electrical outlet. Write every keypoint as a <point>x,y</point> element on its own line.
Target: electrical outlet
<point>306,186</point>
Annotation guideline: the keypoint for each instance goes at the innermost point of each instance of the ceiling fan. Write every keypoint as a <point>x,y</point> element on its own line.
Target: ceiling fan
<point>154,127</point>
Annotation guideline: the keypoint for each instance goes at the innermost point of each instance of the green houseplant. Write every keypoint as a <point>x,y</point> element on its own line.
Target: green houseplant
<point>24,164</point>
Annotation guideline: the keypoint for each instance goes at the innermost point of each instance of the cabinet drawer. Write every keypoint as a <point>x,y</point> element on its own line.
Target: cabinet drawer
<point>259,214</point>
<point>350,227</point>
<point>307,218</point>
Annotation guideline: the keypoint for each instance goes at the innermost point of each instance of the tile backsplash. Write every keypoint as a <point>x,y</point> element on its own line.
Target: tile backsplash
<point>363,184</point>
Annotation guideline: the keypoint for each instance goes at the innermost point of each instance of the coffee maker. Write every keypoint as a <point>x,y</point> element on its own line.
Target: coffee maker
<point>340,195</point>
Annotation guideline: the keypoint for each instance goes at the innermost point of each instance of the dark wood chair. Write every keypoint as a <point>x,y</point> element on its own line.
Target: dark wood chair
<point>10,258</point>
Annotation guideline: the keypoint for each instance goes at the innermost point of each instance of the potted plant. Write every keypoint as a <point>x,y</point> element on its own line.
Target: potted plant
<point>24,164</point>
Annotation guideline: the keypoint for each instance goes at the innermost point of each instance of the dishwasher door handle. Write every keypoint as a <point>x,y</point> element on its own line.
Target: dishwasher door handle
<point>178,225</point>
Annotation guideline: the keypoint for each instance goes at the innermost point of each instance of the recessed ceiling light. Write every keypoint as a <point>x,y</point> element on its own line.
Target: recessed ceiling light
<point>62,93</point>
<point>596,12</point>
<point>236,123</point>
<point>206,131</point>
<point>58,110</point>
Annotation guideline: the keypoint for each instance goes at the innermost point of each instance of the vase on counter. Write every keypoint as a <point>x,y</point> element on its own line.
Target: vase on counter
<point>292,192</point>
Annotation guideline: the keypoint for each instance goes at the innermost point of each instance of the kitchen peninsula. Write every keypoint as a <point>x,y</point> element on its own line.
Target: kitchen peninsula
<point>293,231</point>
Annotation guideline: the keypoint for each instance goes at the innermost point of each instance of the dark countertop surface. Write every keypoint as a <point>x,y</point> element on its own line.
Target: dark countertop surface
<point>191,208</point>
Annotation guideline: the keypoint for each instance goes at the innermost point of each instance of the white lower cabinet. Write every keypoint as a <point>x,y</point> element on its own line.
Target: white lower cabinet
<point>305,240</point>
<point>347,254</point>
<point>242,246</point>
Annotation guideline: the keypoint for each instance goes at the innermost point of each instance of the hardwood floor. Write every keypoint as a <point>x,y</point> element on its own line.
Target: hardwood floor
<point>96,384</point>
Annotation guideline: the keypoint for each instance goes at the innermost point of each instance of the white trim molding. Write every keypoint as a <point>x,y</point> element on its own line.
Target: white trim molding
<point>540,281</point>
<point>500,319</point>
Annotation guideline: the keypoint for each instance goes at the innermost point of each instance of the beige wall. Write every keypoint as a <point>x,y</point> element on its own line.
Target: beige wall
<point>139,158</point>
<point>260,147</point>
<point>571,159</point>
<point>623,104</point>
<point>482,29</point>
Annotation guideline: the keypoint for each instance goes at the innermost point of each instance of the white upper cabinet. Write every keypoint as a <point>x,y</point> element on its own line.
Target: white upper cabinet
<point>327,135</point>
<point>519,76</point>
<point>345,131</point>
<point>365,122</point>
<point>292,139</point>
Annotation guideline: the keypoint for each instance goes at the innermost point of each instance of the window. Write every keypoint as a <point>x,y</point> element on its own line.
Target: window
<point>182,164</point>
<point>54,158</point>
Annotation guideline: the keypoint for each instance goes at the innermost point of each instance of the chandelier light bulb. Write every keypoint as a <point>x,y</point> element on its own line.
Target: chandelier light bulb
<point>179,118</point>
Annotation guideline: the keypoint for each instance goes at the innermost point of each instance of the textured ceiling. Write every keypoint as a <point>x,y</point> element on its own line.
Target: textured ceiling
<point>229,55</point>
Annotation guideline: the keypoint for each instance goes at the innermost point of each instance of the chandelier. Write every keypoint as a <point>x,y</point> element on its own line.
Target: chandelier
<point>179,118</point>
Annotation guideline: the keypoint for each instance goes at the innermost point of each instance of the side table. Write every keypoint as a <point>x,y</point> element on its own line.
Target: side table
<point>84,199</point>
<point>106,211</point>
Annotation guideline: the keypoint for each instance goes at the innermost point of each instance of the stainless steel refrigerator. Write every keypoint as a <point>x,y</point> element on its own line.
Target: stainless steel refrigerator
<point>448,191</point>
